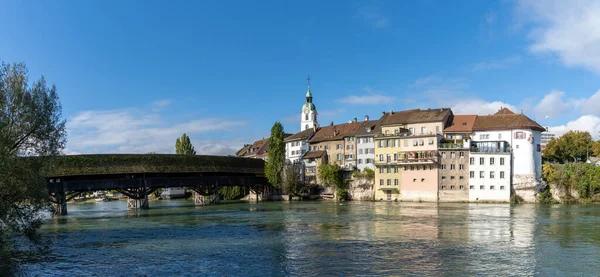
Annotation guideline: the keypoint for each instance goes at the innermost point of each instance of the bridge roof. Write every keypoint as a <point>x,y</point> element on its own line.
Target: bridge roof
<point>106,164</point>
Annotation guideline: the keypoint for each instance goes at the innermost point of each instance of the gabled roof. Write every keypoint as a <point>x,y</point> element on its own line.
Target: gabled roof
<point>461,123</point>
<point>243,151</point>
<point>415,116</point>
<point>314,154</point>
<point>505,119</point>
<point>373,125</point>
<point>306,134</point>
<point>335,132</point>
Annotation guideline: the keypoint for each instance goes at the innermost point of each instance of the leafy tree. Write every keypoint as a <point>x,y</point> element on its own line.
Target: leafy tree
<point>331,176</point>
<point>365,178</point>
<point>183,146</point>
<point>573,146</point>
<point>276,156</point>
<point>31,124</point>
<point>291,180</point>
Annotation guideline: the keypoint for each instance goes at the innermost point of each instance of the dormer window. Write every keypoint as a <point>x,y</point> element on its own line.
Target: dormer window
<point>464,123</point>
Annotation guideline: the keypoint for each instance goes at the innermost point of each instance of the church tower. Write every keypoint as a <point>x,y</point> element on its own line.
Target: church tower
<point>308,116</point>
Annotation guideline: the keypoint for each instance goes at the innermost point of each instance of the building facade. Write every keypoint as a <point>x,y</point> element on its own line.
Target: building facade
<point>489,172</point>
<point>296,145</point>
<point>454,159</point>
<point>365,144</point>
<point>546,137</point>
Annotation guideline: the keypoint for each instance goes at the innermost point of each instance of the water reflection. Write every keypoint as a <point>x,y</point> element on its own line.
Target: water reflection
<point>323,238</point>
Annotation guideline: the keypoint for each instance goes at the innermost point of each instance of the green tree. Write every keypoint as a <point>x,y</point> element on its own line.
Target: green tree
<point>573,146</point>
<point>291,180</point>
<point>31,124</point>
<point>183,146</point>
<point>276,156</point>
<point>331,176</point>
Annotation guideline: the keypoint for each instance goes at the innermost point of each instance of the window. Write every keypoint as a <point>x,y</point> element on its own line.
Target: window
<point>326,147</point>
<point>452,187</point>
<point>443,187</point>
<point>472,161</point>
<point>359,161</point>
<point>306,118</point>
<point>396,142</point>
<point>412,168</point>
<point>424,167</point>
<point>360,151</point>
<point>389,158</point>
<point>462,187</point>
<point>443,167</point>
<point>471,187</point>
<point>430,141</point>
<point>389,182</point>
<point>421,142</point>
<point>395,182</point>
<point>501,174</point>
<point>437,129</point>
<point>451,177</point>
<point>452,166</point>
<point>430,167</point>
<point>501,161</point>
<point>453,155</point>
<point>380,170</point>
<point>381,157</point>
<point>444,155</point>
<point>492,161</point>
<point>423,130</point>
<point>388,169</point>
<point>481,174</point>
<point>414,180</point>
<point>443,177</point>
<point>471,174</point>
<point>461,166</point>
<point>411,130</point>
<point>422,180</point>
<point>395,156</point>
<point>501,187</point>
<point>415,142</point>
<point>380,144</point>
<point>405,142</point>
<point>492,187</point>
<point>339,146</point>
<point>481,161</point>
<point>395,169</point>
<point>380,182</point>
<point>539,148</point>
<point>462,177</point>
<point>461,154</point>
<point>519,135</point>
<point>517,146</point>
<point>481,187</point>
<point>499,136</point>
<point>492,174</point>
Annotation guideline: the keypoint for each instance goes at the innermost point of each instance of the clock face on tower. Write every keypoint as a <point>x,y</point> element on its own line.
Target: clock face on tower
<point>306,111</point>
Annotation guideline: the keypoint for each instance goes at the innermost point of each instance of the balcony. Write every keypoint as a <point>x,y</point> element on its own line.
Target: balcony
<point>452,146</point>
<point>489,150</point>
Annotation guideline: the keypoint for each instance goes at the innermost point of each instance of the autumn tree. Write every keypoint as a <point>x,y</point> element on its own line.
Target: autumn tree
<point>573,146</point>
<point>276,156</point>
<point>183,146</point>
<point>31,124</point>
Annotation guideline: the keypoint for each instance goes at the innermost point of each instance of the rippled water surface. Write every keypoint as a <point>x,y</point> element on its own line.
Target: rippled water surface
<point>322,238</point>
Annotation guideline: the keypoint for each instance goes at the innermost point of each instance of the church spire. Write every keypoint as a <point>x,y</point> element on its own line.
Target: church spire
<point>308,94</point>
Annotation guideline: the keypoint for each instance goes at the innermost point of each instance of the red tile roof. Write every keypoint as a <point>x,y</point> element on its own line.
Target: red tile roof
<point>314,154</point>
<point>335,132</point>
<point>505,119</point>
<point>416,116</point>
<point>461,123</point>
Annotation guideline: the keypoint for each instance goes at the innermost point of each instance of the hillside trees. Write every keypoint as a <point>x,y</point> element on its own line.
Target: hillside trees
<point>183,146</point>
<point>573,146</point>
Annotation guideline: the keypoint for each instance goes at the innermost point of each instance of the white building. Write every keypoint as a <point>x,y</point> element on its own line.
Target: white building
<point>489,172</point>
<point>546,137</point>
<point>523,138</point>
<point>365,144</point>
<point>296,145</point>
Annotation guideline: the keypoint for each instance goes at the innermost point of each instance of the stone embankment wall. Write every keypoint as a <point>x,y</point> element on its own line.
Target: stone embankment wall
<point>527,187</point>
<point>361,190</point>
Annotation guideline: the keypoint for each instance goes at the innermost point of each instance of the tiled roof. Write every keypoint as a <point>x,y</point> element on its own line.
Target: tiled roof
<point>243,151</point>
<point>461,123</point>
<point>314,154</point>
<point>415,116</point>
<point>505,119</point>
<point>306,134</point>
<point>335,132</point>
<point>373,125</point>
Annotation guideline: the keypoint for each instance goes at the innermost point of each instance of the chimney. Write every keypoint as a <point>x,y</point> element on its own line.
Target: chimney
<point>330,123</point>
<point>366,118</point>
<point>355,119</point>
<point>391,111</point>
<point>315,128</point>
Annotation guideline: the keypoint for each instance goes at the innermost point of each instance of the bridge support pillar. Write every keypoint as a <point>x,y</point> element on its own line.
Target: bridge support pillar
<point>138,204</point>
<point>203,200</point>
<point>59,204</point>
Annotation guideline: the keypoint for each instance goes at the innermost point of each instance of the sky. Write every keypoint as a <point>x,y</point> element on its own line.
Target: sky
<point>133,76</point>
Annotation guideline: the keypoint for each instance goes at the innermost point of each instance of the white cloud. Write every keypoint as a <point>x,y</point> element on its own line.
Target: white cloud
<point>552,105</point>
<point>568,29</point>
<point>373,17</point>
<point>371,98</point>
<point>140,131</point>
<point>590,123</point>
<point>591,105</point>
<point>480,107</point>
<point>496,64</point>
<point>162,103</point>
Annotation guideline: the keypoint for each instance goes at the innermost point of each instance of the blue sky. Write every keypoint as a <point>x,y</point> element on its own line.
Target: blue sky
<point>135,75</point>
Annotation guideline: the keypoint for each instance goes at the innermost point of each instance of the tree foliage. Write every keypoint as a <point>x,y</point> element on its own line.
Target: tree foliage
<point>276,156</point>
<point>581,177</point>
<point>291,180</point>
<point>573,146</point>
<point>365,178</point>
<point>183,146</point>
<point>31,124</point>
<point>331,176</point>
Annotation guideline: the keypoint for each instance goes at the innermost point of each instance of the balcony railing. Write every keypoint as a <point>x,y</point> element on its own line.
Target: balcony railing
<point>452,146</point>
<point>489,150</point>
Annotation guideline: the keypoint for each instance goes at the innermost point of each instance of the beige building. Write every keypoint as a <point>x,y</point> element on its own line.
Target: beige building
<point>454,159</point>
<point>312,161</point>
<point>332,140</point>
<point>409,141</point>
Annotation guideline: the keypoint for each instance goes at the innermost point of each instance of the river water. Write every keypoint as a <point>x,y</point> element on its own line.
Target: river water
<point>322,239</point>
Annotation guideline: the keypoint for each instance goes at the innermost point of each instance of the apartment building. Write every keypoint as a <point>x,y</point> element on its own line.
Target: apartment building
<point>453,182</point>
<point>365,143</point>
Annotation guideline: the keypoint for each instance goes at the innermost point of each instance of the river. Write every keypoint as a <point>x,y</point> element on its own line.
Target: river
<point>321,239</point>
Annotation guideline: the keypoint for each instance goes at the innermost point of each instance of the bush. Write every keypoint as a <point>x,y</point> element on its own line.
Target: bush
<point>516,199</point>
<point>545,197</point>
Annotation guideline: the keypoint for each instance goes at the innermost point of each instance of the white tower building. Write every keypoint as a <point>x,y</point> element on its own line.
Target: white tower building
<point>308,116</point>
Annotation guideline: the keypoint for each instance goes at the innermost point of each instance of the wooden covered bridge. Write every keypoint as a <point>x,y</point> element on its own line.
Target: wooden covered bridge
<point>136,176</point>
